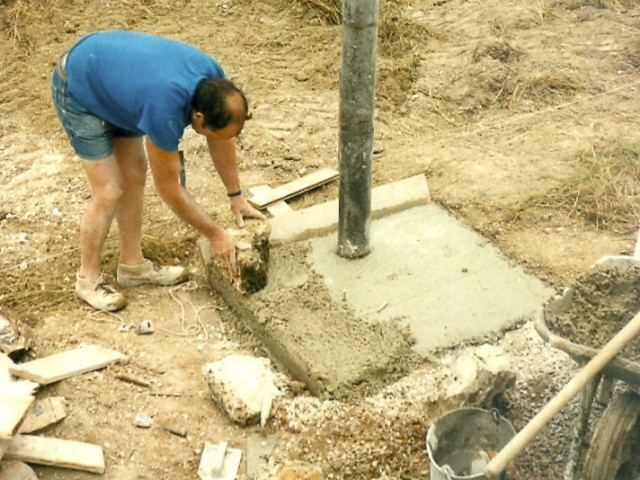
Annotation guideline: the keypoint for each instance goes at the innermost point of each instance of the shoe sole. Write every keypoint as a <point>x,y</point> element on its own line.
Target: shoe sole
<point>115,308</point>
<point>128,283</point>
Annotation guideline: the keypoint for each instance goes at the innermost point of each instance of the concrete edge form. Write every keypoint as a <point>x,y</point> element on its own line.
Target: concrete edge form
<point>323,218</point>
<point>235,300</point>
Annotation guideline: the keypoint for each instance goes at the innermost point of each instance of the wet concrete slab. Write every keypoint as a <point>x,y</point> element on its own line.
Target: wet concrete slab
<point>347,327</point>
<point>444,281</point>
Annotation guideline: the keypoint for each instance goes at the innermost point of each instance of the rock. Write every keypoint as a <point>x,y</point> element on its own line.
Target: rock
<point>243,386</point>
<point>299,472</point>
<point>252,258</point>
<point>481,375</point>
<point>17,471</point>
<point>146,327</point>
<point>15,336</point>
<point>143,420</point>
<point>253,262</point>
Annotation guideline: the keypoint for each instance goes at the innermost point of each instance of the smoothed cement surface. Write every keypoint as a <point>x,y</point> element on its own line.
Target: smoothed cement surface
<point>447,283</point>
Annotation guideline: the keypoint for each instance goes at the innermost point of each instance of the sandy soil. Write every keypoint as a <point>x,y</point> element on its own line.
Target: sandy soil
<point>603,301</point>
<point>496,102</point>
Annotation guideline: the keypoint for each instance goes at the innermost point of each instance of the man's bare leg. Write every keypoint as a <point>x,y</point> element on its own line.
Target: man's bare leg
<point>132,164</point>
<point>133,269</point>
<point>106,189</point>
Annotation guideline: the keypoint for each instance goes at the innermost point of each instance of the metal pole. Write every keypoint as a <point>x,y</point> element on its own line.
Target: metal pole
<point>357,91</point>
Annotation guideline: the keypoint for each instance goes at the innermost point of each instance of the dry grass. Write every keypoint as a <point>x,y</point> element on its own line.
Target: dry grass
<point>609,4</point>
<point>397,34</point>
<point>49,283</point>
<point>15,15</point>
<point>398,38</point>
<point>545,88</point>
<point>605,192</point>
<point>41,284</point>
<point>329,10</point>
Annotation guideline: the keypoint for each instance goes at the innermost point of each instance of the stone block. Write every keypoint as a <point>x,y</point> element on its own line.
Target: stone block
<point>243,386</point>
<point>300,472</point>
<point>481,375</point>
<point>252,258</point>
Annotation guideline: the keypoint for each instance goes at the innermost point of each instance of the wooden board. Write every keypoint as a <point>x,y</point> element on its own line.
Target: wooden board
<point>13,409</point>
<point>323,218</point>
<point>44,413</point>
<point>276,208</point>
<point>219,462</point>
<point>66,364</point>
<point>57,453</point>
<point>296,187</point>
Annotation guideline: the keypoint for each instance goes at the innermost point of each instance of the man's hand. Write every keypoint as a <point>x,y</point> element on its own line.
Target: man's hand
<point>224,246</point>
<point>242,208</point>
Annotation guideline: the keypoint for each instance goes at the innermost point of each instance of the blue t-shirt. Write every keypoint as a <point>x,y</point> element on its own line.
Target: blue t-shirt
<point>138,82</point>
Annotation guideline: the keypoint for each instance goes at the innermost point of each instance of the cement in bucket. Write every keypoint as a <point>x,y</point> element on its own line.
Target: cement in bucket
<point>455,440</point>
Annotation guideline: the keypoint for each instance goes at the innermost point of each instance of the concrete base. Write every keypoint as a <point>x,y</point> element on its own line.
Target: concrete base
<point>444,281</point>
<point>346,327</point>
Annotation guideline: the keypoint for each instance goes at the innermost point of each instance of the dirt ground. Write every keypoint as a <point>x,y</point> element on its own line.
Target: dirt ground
<point>498,103</point>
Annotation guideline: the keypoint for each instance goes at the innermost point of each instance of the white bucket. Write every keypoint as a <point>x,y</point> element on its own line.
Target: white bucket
<point>458,437</point>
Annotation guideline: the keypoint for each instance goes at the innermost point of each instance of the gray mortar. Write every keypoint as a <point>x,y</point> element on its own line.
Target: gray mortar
<point>605,299</point>
<point>320,342</point>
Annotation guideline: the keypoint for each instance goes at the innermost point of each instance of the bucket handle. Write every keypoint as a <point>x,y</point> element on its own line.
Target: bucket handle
<point>448,471</point>
<point>496,417</point>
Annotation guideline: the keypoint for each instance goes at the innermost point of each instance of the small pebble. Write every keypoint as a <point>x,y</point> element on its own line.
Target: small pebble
<point>145,327</point>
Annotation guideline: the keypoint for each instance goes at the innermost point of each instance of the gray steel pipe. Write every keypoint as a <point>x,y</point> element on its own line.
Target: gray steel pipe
<point>357,104</point>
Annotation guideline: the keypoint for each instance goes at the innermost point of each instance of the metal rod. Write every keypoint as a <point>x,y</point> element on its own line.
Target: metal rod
<point>182,175</point>
<point>357,102</point>
<point>580,428</point>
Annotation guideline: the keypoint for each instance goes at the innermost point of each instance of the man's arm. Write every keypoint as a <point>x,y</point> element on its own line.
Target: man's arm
<point>223,154</point>
<point>165,168</point>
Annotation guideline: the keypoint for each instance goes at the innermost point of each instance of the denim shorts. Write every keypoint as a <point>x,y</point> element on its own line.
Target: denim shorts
<point>90,136</point>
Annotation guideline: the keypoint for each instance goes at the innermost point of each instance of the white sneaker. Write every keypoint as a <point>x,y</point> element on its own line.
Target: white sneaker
<point>150,273</point>
<point>99,295</point>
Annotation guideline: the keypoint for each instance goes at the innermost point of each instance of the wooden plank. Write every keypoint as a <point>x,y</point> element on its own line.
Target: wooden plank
<point>44,413</point>
<point>277,208</point>
<point>323,218</point>
<point>13,410</point>
<point>56,453</point>
<point>212,460</point>
<point>66,364</point>
<point>296,187</point>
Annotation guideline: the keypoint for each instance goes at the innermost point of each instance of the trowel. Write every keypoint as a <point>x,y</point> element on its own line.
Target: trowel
<point>259,447</point>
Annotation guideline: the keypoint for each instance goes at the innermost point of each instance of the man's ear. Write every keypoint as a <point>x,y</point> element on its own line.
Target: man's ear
<point>197,116</point>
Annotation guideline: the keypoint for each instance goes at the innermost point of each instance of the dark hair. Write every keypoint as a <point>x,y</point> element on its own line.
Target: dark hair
<point>210,99</point>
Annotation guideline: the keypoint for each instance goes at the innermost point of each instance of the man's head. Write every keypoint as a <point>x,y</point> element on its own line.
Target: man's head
<point>219,108</point>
